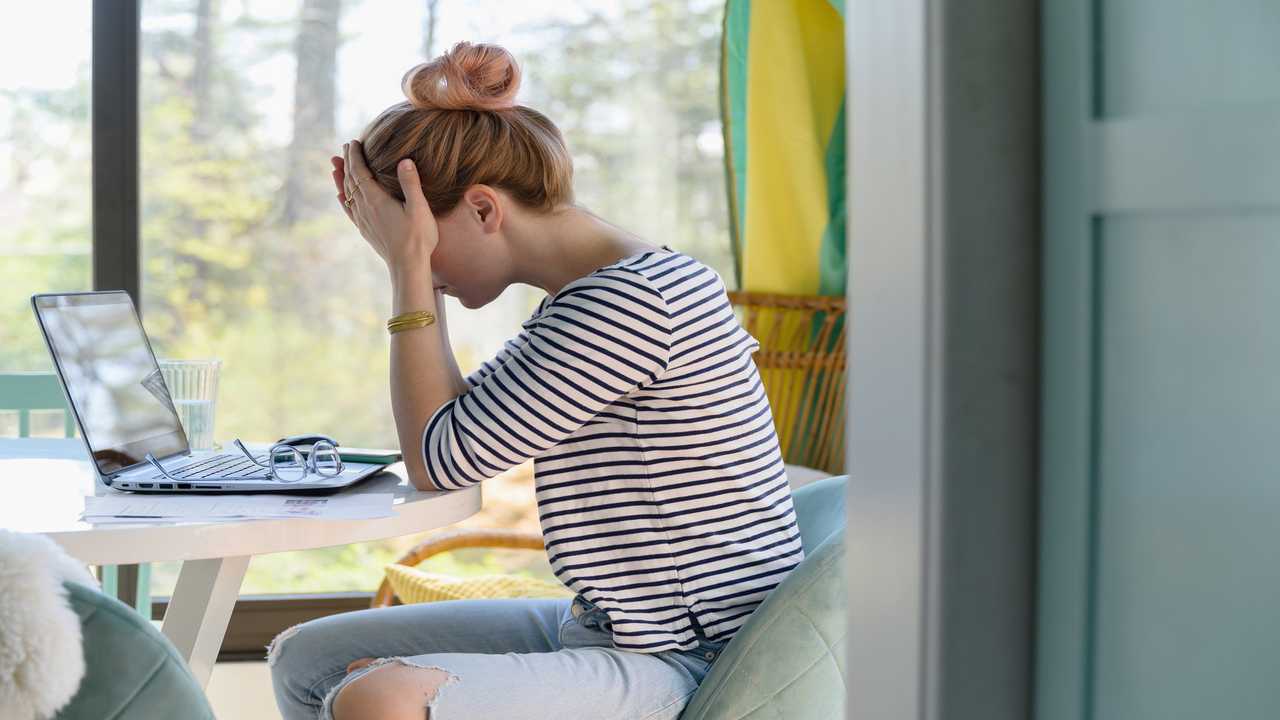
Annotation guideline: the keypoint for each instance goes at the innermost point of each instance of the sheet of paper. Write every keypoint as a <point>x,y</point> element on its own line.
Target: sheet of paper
<point>214,508</point>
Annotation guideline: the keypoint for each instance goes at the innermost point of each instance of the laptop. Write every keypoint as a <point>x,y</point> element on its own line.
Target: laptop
<point>123,409</point>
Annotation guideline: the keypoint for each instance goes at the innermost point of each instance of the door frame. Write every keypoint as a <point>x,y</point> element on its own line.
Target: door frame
<point>1067,553</point>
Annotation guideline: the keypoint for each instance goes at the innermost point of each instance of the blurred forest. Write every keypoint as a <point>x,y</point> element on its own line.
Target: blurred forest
<point>246,256</point>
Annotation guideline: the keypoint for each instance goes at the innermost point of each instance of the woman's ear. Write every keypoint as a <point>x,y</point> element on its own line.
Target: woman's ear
<point>484,206</point>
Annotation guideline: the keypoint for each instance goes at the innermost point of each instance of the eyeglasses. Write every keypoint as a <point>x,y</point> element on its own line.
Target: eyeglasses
<point>288,464</point>
<point>284,463</point>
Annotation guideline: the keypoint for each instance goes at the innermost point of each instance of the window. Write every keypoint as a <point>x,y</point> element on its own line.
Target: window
<point>45,207</point>
<point>245,255</point>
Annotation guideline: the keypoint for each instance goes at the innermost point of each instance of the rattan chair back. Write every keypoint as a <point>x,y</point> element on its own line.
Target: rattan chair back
<point>801,361</point>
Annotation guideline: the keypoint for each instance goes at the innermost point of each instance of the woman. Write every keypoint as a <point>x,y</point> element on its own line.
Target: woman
<point>660,486</point>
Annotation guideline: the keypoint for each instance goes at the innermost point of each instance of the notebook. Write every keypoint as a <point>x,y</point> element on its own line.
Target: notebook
<point>123,409</point>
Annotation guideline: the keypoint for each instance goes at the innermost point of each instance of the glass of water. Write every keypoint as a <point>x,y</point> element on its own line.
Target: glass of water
<point>193,386</point>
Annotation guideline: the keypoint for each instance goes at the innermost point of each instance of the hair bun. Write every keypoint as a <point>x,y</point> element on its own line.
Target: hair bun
<point>467,77</point>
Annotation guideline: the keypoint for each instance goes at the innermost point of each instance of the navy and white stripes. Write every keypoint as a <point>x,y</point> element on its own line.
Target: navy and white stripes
<point>660,486</point>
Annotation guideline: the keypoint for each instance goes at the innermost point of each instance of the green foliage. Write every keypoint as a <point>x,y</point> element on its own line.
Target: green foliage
<point>635,94</point>
<point>294,310</point>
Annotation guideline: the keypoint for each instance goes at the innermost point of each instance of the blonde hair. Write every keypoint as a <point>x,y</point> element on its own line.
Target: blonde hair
<point>461,126</point>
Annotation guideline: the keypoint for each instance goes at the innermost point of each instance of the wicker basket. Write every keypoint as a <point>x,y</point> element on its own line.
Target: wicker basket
<point>453,540</point>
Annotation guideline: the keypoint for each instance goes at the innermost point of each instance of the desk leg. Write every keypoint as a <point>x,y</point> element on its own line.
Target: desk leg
<point>200,609</point>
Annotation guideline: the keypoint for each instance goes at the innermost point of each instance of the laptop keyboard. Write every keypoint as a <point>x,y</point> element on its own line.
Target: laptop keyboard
<point>217,466</point>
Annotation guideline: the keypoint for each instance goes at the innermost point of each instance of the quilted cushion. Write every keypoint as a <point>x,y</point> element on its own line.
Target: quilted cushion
<point>415,586</point>
<point>788,660</point>
<point>131,671</point>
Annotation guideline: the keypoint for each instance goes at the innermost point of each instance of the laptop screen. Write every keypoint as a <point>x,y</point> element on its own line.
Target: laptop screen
<point>109,372</point>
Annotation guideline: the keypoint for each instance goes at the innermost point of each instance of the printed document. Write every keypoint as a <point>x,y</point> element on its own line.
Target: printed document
<point>217,508</point>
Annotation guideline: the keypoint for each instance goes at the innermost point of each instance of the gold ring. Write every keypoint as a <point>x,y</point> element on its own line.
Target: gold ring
<point>358,184</point>
<point>350,200</point>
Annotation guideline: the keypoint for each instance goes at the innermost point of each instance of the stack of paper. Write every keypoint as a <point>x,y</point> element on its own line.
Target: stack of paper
<point>224,508</point>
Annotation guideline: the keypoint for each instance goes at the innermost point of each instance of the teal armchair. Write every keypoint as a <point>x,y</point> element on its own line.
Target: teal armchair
<point>69,652</point>
<point>788,660</point>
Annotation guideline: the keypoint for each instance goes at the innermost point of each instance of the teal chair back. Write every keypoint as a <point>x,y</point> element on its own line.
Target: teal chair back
<point>788,660</point>
<point>131,671</point>
<point>27,391</point>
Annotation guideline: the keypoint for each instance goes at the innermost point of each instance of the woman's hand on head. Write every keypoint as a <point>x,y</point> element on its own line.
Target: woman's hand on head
<point>404,234</point>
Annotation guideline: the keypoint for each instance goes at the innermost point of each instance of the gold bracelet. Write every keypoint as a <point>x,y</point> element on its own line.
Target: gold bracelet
<point>410,320</point>
<point>401,327</point>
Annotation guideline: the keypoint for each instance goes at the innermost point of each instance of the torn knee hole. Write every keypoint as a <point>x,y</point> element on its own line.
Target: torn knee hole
<point>436,679</point>
<point>391,687</point>
<point>273,650</point>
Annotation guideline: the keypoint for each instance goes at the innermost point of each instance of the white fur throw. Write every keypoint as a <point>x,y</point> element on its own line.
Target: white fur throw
<point>41,657</point>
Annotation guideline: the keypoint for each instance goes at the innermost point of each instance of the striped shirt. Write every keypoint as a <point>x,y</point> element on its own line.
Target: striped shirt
<point>660,485</point>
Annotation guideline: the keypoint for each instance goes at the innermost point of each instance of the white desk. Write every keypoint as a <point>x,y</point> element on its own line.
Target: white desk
<point>43,483</point>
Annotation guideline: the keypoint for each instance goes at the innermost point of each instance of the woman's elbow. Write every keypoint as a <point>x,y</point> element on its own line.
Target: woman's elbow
<point>416,470</point>
<point>420,480</point>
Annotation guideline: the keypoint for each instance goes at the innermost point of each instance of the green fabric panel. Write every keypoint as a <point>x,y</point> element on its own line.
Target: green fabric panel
<point>131,671</point>
<point>833,273</point>
<point>733,113</point>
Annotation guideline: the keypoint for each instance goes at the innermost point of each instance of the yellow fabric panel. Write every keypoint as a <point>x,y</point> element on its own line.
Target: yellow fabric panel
<point>795,85</point>
<point>415,586</point>
<point>784,385</point>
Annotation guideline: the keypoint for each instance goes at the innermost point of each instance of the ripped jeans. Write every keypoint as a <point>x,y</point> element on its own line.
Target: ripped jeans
<point>544,658</point>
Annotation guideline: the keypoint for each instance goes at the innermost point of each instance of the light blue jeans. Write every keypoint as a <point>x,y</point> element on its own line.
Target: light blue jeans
<point>536,659</point>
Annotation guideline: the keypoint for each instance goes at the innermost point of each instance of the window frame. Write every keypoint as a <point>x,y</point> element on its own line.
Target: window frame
<point>114,118</point>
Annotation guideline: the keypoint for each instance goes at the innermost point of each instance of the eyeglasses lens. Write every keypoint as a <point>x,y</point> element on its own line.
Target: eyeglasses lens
<point>325,460</point>
<point>287,464</point>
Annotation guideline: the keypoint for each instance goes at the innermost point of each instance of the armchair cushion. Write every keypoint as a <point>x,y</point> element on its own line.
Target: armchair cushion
<point>819,510</point>
<point>133,671</point>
